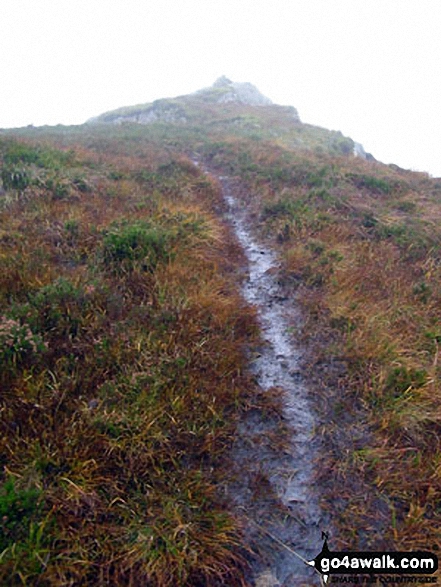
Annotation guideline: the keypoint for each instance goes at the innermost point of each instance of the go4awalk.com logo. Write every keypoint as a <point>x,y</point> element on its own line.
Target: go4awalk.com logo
<point>375,563</point>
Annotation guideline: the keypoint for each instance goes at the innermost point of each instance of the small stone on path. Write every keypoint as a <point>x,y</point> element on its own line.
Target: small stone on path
<point>267,579</point>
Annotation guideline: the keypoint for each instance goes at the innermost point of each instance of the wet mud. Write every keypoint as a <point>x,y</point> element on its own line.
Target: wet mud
<point>275,453</point>
<point>273,481</point>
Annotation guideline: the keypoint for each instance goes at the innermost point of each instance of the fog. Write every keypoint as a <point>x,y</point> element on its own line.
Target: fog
<point>368,68</point>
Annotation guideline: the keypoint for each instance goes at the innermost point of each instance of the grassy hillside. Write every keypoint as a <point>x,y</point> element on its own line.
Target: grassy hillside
<point>124,340</point>
<point>122,346</point>
<point>361,250</point>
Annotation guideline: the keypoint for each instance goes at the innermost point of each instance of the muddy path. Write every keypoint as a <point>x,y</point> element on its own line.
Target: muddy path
<point>275,454</point>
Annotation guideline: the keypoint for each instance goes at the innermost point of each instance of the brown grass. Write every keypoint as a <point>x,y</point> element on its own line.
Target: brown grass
<point>124,365</point>
<point>364,258</point>
<point>122,379</point>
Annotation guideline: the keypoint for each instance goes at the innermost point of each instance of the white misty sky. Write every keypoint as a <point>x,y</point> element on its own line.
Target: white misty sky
<point>370,68</point>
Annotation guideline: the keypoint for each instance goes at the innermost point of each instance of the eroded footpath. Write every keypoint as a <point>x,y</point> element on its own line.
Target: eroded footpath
<point>275,455</point>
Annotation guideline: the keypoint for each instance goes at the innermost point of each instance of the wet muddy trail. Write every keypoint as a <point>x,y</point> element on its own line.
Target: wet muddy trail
<point>275,490</point>
<point>272,484</point>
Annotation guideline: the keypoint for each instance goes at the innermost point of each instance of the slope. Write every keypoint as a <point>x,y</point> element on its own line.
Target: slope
<point>125,341</point>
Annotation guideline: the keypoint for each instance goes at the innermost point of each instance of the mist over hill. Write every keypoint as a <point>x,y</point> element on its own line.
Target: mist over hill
<point>179,281</point>
<point>223,91</point>
<point>239,108</point>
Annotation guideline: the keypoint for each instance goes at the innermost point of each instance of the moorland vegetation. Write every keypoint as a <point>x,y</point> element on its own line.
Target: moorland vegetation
<point>124,340</point>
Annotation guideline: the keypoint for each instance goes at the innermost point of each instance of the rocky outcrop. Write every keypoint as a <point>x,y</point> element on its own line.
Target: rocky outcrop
<point>175,110</point>
<point>360,152</point>
<point>240,92</point>
<point>158,111</point>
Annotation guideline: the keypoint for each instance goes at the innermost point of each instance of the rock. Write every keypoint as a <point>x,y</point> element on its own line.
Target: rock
<point>267,579</point>
<point>359,151</point>
<point>224,90</point>
<point>222,81</point>
<point>174,110</point>
<point>159,111</point>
